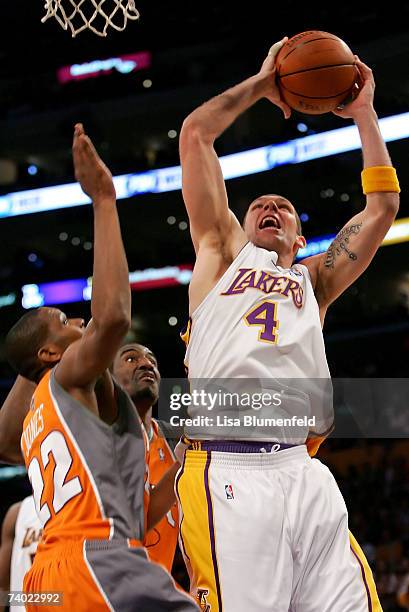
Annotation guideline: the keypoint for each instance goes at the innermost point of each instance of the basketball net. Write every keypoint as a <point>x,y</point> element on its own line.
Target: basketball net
<point>101,14</point>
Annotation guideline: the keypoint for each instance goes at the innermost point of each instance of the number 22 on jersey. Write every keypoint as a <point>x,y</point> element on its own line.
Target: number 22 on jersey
<point>54,444</point>
<point>264,315</point>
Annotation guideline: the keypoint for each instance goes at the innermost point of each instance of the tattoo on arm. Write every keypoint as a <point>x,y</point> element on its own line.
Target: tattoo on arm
<point>340,245</point>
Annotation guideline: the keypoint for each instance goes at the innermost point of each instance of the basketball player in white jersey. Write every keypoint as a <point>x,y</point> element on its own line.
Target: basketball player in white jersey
<point>264,525</point>
<point>20,534</point>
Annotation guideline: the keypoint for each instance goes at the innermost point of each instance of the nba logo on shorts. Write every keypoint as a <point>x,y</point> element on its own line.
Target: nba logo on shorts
<point>161,455</point>
<point>229,491</point>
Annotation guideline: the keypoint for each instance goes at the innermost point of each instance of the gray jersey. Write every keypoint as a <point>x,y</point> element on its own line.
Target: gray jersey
<point>88,482</point>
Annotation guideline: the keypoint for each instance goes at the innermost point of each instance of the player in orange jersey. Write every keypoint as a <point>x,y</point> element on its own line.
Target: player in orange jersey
<point>136,369</point>
<point>82,441</point>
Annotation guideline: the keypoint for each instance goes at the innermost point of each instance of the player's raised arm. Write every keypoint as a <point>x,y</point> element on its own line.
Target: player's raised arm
<point>87,358</point>
<point>12,414</point>
<point>204,191</point>
<point>162,497</point>
<point>356,244</point>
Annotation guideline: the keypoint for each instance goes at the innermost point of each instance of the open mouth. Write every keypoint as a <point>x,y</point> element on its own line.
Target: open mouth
<point>269,222</point>
<point>147,377</point>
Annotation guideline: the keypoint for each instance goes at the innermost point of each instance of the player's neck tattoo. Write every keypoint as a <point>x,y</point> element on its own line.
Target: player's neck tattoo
<point>340,245</point>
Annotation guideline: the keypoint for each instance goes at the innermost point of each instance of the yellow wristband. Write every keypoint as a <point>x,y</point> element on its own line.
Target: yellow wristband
<point>379,178</point>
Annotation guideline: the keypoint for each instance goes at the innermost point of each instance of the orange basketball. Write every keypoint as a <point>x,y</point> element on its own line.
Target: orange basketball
<point>315,72</point>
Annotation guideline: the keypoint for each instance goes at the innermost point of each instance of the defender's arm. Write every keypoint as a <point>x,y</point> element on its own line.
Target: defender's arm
<point>162,497</point>
<point>89,357</point>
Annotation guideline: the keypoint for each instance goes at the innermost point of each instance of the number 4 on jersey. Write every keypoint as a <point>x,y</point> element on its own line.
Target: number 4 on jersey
<point>264,315</point>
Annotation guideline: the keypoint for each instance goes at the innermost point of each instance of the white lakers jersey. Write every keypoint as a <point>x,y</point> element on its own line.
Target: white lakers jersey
<point>261,322</point>
<point>26,537</point>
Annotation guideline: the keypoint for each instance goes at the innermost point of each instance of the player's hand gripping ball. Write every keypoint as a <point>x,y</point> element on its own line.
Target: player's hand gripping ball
<point>316,72</point>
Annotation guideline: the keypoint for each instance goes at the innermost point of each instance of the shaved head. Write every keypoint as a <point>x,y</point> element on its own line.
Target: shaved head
<point>136,369</point>
<point>23,342</point>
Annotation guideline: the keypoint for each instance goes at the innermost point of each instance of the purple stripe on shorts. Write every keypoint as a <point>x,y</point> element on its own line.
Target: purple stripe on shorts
<point>182,542</point>
<point>178,478</point>
<point>178,496</point>
<point>237,446</point>
<point>211,530</point>
<point>364,579</point>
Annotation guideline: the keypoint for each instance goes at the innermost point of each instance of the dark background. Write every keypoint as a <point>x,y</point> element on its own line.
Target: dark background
<point>198,50</point>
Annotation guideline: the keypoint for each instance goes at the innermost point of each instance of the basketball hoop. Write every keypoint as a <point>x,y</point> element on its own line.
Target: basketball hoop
<point>94,15</point>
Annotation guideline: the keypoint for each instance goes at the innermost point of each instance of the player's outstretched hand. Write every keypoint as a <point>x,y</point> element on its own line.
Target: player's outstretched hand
<point>90,171</point>
<point>363,96</point>
<point>269,67</point>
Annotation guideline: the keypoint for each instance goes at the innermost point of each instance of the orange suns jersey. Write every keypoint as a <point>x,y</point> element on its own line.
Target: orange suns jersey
<point>162,539</point>
<point>88,478</point>
<point>147,485</point>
